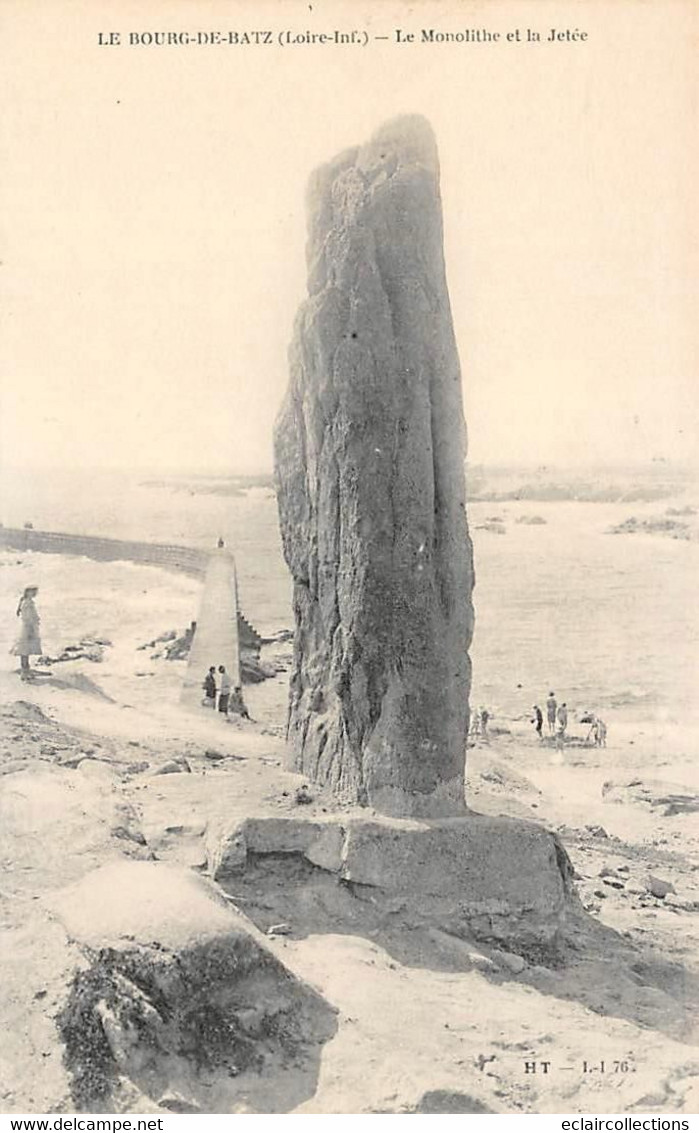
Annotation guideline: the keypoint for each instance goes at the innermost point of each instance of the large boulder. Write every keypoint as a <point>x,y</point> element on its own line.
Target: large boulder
<point>369,455</point>
<point>484,877</point>
<point>180,1004</point>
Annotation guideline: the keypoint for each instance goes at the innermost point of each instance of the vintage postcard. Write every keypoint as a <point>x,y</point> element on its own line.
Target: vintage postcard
<point>349,534</point>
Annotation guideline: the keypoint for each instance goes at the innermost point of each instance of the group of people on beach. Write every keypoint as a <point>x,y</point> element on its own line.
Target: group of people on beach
<point>557,720</point>
<point>222,695</point>
<point>556,717</point>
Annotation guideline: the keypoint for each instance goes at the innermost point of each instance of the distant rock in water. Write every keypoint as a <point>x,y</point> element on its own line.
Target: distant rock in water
<point>169,635</point>
<point>369,455</point>
<point>494,525</point>
<point>87,649</point>
<point>652,526</point>
<point>686,510</point>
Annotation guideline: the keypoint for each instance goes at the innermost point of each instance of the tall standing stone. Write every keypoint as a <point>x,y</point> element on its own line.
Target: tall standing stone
<point>369,458</point>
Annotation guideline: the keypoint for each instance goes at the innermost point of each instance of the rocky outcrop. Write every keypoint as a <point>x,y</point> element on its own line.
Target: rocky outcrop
<point>179,1004</point>
<point>369,455</point>
<point>668,798</point>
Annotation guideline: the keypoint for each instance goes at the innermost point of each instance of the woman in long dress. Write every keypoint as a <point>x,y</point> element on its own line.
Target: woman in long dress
<point>28,642</point>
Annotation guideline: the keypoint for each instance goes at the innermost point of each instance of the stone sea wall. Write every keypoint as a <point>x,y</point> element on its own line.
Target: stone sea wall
<point>187,560</point>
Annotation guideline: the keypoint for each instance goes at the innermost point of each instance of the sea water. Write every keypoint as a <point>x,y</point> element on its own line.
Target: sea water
<point>609,622</point>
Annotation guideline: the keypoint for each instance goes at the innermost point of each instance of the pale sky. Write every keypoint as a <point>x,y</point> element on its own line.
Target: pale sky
<point>153,223</point>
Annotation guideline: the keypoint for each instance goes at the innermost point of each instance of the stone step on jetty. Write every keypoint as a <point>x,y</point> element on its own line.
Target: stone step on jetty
<point>250,639</point>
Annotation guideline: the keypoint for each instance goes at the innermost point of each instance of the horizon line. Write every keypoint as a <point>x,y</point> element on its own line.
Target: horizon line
<point>220,470</point>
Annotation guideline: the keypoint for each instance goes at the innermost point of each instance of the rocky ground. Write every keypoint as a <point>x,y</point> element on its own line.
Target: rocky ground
<point>398,1011</point>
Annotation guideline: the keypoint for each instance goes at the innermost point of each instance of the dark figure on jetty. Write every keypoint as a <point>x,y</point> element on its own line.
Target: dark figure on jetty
<point>225,693</point>
<point>210,688</point>
<point>28,643</point>
<point>551,712</point>
<point>538,721</point>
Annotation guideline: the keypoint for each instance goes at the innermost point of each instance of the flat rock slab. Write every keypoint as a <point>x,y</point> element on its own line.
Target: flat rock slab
<point>144,903</point>
<point>479,859</point>
<point>320,842</point>
<point>479,866</point>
